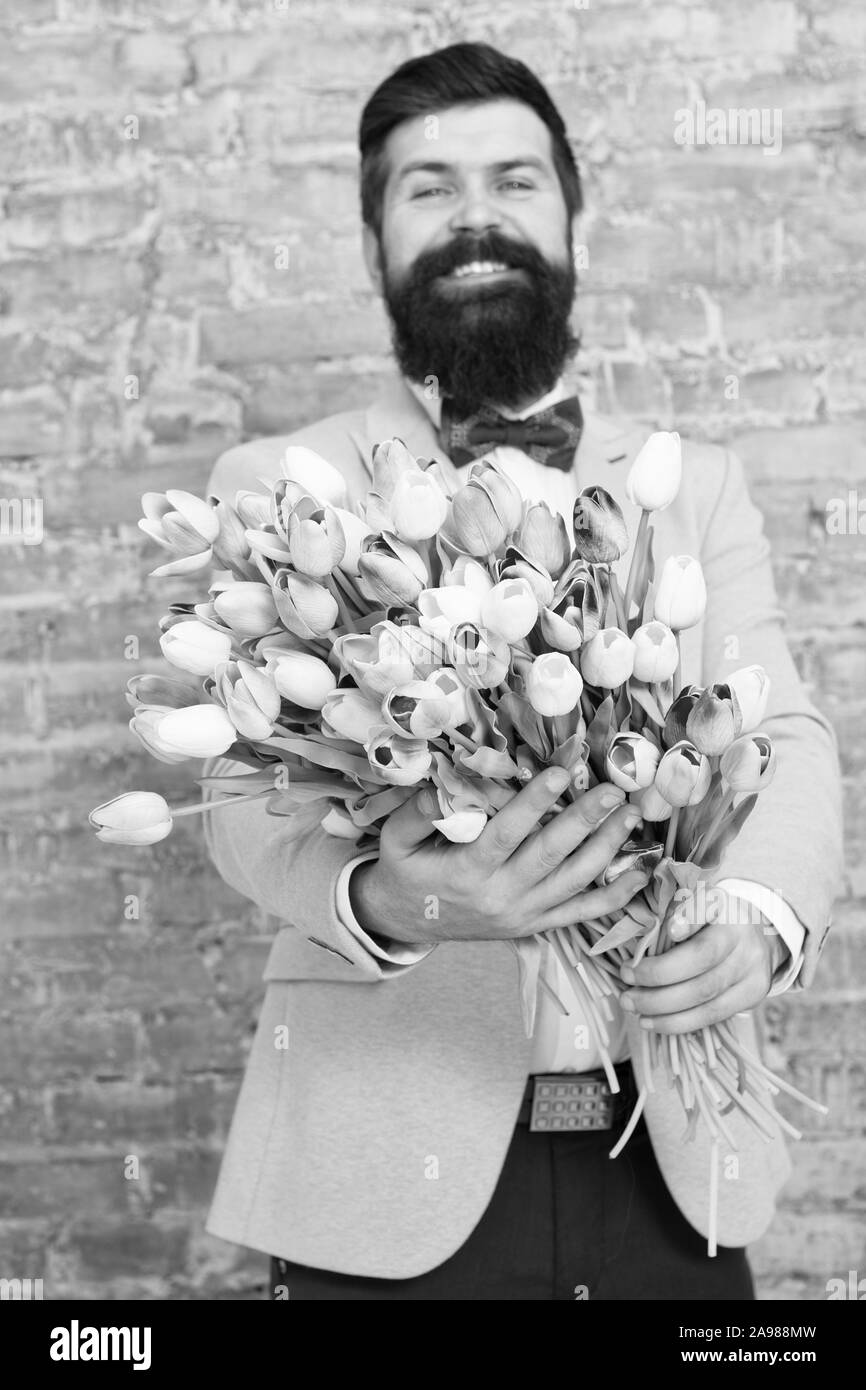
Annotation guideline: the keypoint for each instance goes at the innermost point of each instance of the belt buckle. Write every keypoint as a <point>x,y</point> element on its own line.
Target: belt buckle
<point>578,1103</point>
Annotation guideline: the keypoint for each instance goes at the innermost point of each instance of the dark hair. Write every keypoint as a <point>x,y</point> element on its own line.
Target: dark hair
<point>462,74</point>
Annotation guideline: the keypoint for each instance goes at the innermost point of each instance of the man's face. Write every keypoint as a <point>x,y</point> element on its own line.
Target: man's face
<point>475,262</point>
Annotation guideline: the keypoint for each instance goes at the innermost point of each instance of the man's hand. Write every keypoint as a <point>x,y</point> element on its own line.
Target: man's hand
<point>725,966</point>
<point>514,880</point>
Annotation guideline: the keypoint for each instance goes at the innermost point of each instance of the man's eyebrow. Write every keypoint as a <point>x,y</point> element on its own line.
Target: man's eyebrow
<point>438,166</point>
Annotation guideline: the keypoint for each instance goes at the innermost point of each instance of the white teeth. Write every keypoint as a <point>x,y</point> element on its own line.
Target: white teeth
<point>479,268</point>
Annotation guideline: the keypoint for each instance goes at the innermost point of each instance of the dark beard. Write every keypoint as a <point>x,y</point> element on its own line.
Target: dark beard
<point>498,344</point>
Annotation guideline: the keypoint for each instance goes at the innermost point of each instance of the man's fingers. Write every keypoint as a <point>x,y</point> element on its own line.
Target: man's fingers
<point>733,1001</point>
<point>412,823</point>
<point>547,849</point>
<point>594,902</point>
<point>584,865</point>
<point>688,994</point>
<point>507,830</point>
<point>683,962</point>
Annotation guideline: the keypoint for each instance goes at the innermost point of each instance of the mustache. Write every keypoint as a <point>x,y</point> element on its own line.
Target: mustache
<point>492,247</point>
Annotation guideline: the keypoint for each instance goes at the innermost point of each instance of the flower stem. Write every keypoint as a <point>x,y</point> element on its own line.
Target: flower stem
<point>636,562</point>
<point>199,807</point>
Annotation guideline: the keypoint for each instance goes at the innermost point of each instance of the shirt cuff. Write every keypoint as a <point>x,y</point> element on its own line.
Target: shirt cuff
<point>783,918</point>
<point>382,947</point>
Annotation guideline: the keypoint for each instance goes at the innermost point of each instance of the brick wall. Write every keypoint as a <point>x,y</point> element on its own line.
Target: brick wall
<point>152,157</point>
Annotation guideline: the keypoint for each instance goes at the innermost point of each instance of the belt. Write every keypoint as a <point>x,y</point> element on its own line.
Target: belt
<point>577,1101</point>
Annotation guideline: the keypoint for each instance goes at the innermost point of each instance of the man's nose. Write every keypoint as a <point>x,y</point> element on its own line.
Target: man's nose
<point>475,212</point>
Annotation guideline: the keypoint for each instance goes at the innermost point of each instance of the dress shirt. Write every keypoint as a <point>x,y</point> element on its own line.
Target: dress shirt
<point>563,1043</point>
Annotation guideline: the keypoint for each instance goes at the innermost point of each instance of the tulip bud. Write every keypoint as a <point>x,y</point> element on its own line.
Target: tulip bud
<point>542,537</point>
<point>394,571</point>
<point>681,596</point>
<point>510,609</point>
<point>553,684</point>
<point>559,631</point>
<point>337,823</point>
<point>462,827</point>
<point>485,510</point>
<point>305,607</point>
<point>248,608</point>
<point>631,761</point>
<point>398,760</point>
<point>677,716</point>
<point>355,532</point>
<point>304,679</point>
<point>607,659</point>
<point>316,541</point>
<point>197,731</point>
<point>631,857</point>
<point>444,608</point>
<point>683,775</point>
<point>715,721</point>
<point>193,646</point>
<point>137,818</point>
<point>250,697</point>
<point>418,507</point>
<point>391,460</point>
<point>751,687</point>
<point>600,532</point>
<point>445,681</point>
<point>654,478</point>
<point>539,581</point>
<point>417,709</point>
<point>182,524</point>
<point>651,804</point>
<point>749,764</point>
<point>349,714</point>
<point>480,657</point>
<point>470,574</point>
<point>314,474</point>
<point>656,653</point>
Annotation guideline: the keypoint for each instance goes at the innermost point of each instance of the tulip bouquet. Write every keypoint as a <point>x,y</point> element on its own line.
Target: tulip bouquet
<point>448,631</point>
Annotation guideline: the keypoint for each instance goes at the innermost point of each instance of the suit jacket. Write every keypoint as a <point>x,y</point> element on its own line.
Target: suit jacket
<point>379,1098</point>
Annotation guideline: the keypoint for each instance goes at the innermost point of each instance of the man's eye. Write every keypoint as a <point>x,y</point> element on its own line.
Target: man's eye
<point>425,192</point>
<point>517,183</point>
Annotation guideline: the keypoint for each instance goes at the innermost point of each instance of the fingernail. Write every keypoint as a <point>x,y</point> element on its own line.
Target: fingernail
<point>612,797</point>
<point>646,1023</point>
<point>557,779</point>
<point>631,818</point>
<point>627,974</point>
<point>627,1003</point>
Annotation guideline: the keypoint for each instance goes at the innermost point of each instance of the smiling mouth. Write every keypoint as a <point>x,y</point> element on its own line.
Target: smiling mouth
<point>480,272</point>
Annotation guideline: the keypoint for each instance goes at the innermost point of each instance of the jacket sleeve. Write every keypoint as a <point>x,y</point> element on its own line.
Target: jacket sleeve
<point>792,842</point>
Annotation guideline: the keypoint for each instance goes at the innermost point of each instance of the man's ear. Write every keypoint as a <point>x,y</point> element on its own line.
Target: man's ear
<point>372,256</point>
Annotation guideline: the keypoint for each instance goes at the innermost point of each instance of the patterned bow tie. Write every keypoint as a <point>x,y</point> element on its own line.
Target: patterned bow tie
<point>550,437</point>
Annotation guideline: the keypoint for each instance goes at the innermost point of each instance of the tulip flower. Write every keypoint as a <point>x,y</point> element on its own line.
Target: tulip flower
<point>677,716</point>
<point>462,802</point>
<point>248,608</point>
<point>651,804</point>
<point>355,532</point>
<point>749,764</point>
<point>395,572</point>
<point>137,818</point>
<point>314,474</point>
<point>715,721</point>
<point>462,827</point>
<point>681,596</point>
<point>683,775</point>
<point>398,760</point>
<point>254,509</point>
<point>607,659</point>
<point>470,574</point>
<point>600,532</point>
<point>641,857</point>
<point>304,679</point>
<point>751,687</point>
<point>656,653</point>
<point>305,607</point>
<point>559,630</point>
<point>510,609</point>
<point>194,646</point>
<point>250,697</point>
<point>553,685</point>
<point>514,566</point>
<point>160,692</point>
<point>198,731</point>
<point>542,537</point>
<point>416,709</point>
<point>654,478</point>
<point>390,654</point>
<point>631,761</point>
<point>485,510</point>
<point>349,714</point>
<point>182,524</point>
<point>480,657</point>
<point>231,549</point>
<point>445,681</point>
<point>315,538</point>
<point>418,507</point>
<point>391,461</point>
<point>444,608</point>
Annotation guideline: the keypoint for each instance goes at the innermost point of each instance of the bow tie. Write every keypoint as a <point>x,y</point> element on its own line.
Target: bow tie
<point>550,437</point>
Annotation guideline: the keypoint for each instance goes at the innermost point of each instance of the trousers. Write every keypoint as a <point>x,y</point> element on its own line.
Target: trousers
<point>565,1222</point>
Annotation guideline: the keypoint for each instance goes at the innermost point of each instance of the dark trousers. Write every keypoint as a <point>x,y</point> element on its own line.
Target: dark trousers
<point>565,1222</point>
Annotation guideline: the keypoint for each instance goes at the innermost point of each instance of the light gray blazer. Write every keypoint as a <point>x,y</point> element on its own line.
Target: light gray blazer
<point>372,1142</point>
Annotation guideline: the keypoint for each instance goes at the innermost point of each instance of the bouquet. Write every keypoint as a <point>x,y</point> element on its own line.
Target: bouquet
<point>448,631</point>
